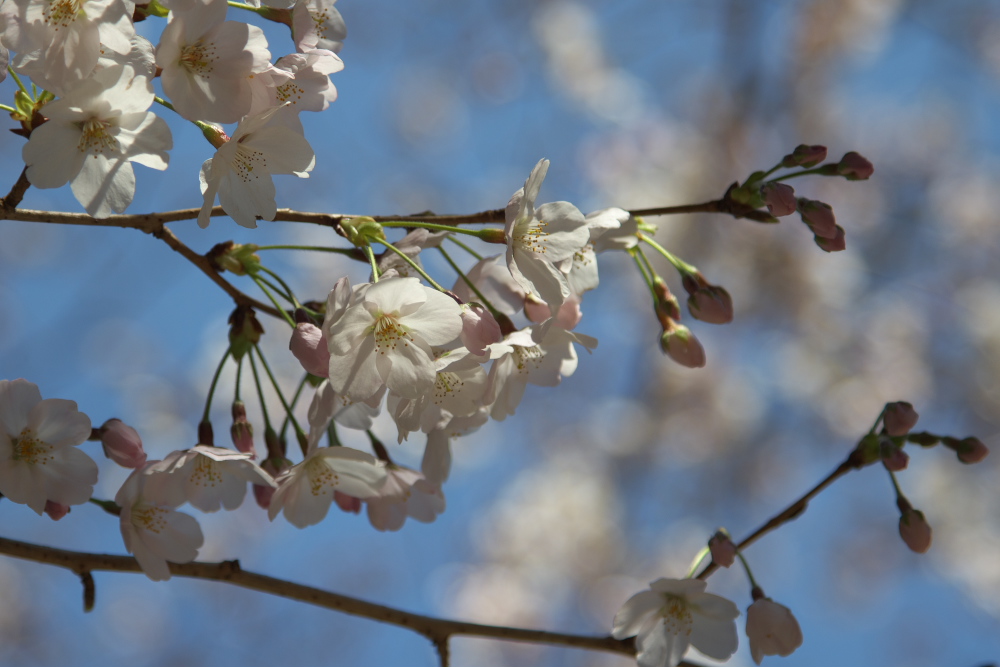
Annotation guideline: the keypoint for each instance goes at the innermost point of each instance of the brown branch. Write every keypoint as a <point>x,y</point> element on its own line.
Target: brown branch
<point>16,193</point>
<point>793,511</point>
<point>438,630</point>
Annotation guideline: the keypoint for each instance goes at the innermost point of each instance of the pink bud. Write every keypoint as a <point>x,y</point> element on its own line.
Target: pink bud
<point>263,494</point>
<point>893,457</point>
<point>819,217</point>
<point>682,346</point>
<point>711,304</point>
<point>479,328</point>
<point>804,156</point>
<point>915,530</point>
<point>855,167</point>
<point>780,199</point>
<point>122,444</point>
<point>55,510</point>
<point>899,418</point>
<point>308,344</point>
<point>836,244</point>
<point>242,430</point>
<point>347,503</point>
<point>969,450</point>
<point>722,549</point>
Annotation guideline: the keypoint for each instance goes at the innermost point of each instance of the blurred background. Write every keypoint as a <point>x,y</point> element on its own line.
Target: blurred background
<point>620,475</point>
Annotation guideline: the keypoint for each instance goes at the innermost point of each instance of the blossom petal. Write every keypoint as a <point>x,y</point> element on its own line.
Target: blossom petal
<point>634,613</point>
<point>17,398</point>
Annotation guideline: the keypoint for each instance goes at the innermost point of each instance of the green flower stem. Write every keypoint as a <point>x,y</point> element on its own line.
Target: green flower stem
<point>295,400</point>
<point>746,566</point>
<point>239,377</point>
<point>895,484</point>
<point>414,265</point>
<point>163,102</point>
<point>465,247</point>
<point>215,380</point>
<point>109,506</point>
<point>288,290</point>
<point>433,226</point>
<point>871,431</point>
<point>331,432</point>
<point>636,253</point>
<point>371,260</point>
<point>17,80</point>
<point>260,394</point>
<point>697,561</point>
<point>281,309</point>
<point>7,108</point>
<point>240,5</point>
<point>342,251</point>
<point>804,172</point>
<point>475,290</point>
<point>299,433</point>
<point>679,264</point>
<point>280,291</point>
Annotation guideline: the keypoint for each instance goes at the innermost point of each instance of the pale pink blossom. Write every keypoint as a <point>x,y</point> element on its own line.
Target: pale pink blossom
<point>55,510</point>
<point>771,628</point>
<point>39,460</point>
<point>673,615</point>
<point>405,493</point>
<point>210,478</point>
<point>152,531</point>
<point>309,346</point>
<point>316,24</point>
<point>479,328</point>
<point>122,444</point>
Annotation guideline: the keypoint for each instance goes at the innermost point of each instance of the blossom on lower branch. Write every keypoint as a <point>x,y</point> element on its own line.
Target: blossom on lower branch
<point>153,532</point>
<point>39,461</point>
<point>207,477</point>
<point>675,614</point>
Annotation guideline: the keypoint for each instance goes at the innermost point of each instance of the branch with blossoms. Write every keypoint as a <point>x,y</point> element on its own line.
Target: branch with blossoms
<point>440,356</point>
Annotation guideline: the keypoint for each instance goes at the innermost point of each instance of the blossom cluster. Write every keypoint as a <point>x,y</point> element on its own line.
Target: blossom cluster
<point>92,119</point>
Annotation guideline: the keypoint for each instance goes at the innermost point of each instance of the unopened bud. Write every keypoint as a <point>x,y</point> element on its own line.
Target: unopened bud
<point>899,418</point>
<point>804,156</point>
<point>309,346</point>
<point>969,450</point>
<point>206,436</point>
<point>836,244</point>
<point>722,549</point>
<point>915,530</point>
<point>122,444</point>
<point>244,331</point>
<point>779,198</point>
<point>666,305</point>
<point>493,235</point>
<point>479,328</point>
<point>55,510</point>
<point>894,458</point>
<point>855,167</point>
<point>819,217</point>
<point>682,346</point>
<point>711,304</point>
<point>242,430</point>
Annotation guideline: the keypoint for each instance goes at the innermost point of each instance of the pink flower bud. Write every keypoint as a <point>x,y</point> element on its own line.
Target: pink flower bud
<point>780,199</point>
<point>836,244</point>
<point>819,217</point>
<point>915,530</point>
<point>479,328</point>
<point>722,549</point>
<point>242,430</point>
<point>899,418</point>
<point>273,467</point>
<point>969,450</point>
<point>666,303</point>
<point>308,344</point>
<point>711,304</point>
<point>55,510</point>
<point>347,503</point>
<point>804,156</point>
<point>122,444</point>
<point>855,167</point>
<point>893,457</point>
<point>682,346</point>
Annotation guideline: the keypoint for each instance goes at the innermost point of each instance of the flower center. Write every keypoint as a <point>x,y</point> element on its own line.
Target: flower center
<point>532,237</point>
<point>246,159</point>
<point>150,518</point>
<point>446,384</point>
<point>527,359</point>
<point>676,616</point>
<point>206,473</point>
<point>321,477</point>
<point>95,137</point>
<point>197,58</point>
<point>388,333</point>
<point>290,92</point>
<point>62,13</point>
<point>30,449</point>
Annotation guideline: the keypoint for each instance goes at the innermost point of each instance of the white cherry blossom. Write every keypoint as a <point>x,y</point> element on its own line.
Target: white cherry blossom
<point>209,478</point>
<point>39,461</point>
<point>675,614</point>
<point>405,493</point>
<point>384,336</point>
<point>93,135</point>
<point>316,24</point>
<point>772,629</point>
<point>152,531</point>
<point>240,171</point>
<point>539,239</point>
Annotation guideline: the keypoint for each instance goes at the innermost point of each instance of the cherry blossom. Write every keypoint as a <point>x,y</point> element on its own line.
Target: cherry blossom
<point>152,531</point>
<point>539,239</point>
<point>384,337</point>
<point>93,135</point>
<point>300,81</point>
<point>240,171</point>
<point>675,614</point>
<point>405,493</point>
<point>771,628</point>
<point>207,477</point>
<point>316,24</point>
<point>39,461</point>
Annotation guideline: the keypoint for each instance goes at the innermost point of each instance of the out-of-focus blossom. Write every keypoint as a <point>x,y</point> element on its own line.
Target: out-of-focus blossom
<point>779,198</point>
<point>819,217</point>
<point>55,510</point>
<point>771,628</point>
<point>122,444</point>
<point>678,343</point>
<point>899,418</point>
<point>835,244</point>
<point>804,156</point>
<point>405,493</point>
<point>722,549</point>
<point>855,167</point>
<point>913,528</point>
